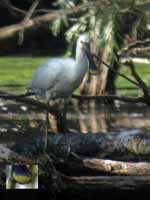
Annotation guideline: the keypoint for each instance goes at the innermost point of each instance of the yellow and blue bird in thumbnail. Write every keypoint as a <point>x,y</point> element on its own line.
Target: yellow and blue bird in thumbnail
<point>21,174</point>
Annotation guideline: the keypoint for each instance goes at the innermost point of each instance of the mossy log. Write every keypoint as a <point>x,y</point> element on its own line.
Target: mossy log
<point>84,152</point>
<point>125,145</point>
<point>133,145</point>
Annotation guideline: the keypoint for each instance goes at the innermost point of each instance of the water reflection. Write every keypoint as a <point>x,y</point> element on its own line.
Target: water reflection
<point>108,118</point>
<point>79,118</point>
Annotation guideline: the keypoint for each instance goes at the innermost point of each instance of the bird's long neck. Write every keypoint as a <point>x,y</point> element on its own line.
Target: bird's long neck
<point>81,59</point>
<point>80,54</point>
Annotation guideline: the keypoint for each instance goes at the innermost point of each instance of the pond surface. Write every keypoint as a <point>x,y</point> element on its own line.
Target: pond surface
<point>23,119</point>
<point>19,121</point>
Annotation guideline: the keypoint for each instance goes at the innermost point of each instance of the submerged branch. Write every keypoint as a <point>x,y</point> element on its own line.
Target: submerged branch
<point>22,98</point>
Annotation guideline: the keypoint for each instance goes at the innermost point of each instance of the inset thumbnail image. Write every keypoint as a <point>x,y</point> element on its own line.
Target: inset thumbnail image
<point>22,176</point>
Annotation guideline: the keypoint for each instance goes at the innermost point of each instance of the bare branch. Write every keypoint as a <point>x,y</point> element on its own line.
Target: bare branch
<point>9,31</point>
<point>20,12</point>
<point>134,45</point>
<point>11,8</point>
<point>44,11</point>
<point>27,17</point>
<point>22,98</point>
<point>118,73</point>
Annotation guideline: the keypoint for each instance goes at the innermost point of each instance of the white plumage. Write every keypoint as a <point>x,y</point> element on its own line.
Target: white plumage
<point>59,77</point>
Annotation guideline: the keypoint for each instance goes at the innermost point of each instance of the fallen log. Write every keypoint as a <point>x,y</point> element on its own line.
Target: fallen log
<point>118,167</point>
<point>94,166</point>
<point>133,145</point>
<point>100,183</point>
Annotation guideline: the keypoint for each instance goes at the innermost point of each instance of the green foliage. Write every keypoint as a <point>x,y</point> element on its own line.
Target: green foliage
<point>99,21</point>
<point>103,20</point>
<point>58,24</point>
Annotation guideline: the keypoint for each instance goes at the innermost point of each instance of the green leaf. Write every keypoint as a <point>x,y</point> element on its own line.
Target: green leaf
<point>73,31</point>
<point>56,26</point>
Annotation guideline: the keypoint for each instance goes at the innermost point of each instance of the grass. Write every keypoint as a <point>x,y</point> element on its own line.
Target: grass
<point>142,69</point>
<point>16,72</point>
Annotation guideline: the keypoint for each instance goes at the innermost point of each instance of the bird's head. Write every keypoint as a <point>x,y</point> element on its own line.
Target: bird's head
<point>84,42</point>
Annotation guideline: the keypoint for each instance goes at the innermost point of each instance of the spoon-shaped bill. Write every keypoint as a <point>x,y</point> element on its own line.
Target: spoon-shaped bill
<point>92,66</point>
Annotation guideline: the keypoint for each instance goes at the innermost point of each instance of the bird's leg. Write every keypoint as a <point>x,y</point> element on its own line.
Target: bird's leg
<point>64,117</point>
<point>46,130</point>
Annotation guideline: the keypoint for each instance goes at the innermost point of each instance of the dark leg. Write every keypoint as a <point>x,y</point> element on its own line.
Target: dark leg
<point>64,117</point>
<point>46,130</point>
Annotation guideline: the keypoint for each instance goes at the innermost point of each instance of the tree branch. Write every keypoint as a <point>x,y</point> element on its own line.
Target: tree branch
<point>9,31</point>
<point>22,98</point>
<point>27,17</point>
<point>134,45</point>
<point>11,8</point>
<point>118,73</point>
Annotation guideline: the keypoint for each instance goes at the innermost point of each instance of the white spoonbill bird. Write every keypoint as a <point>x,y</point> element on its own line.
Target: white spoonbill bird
<point>60,77</point>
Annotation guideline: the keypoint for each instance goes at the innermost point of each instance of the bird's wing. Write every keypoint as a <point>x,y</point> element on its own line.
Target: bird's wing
<point>47,75</point>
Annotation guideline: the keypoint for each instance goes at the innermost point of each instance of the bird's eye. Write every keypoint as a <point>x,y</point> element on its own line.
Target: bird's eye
<point>81,44</point>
